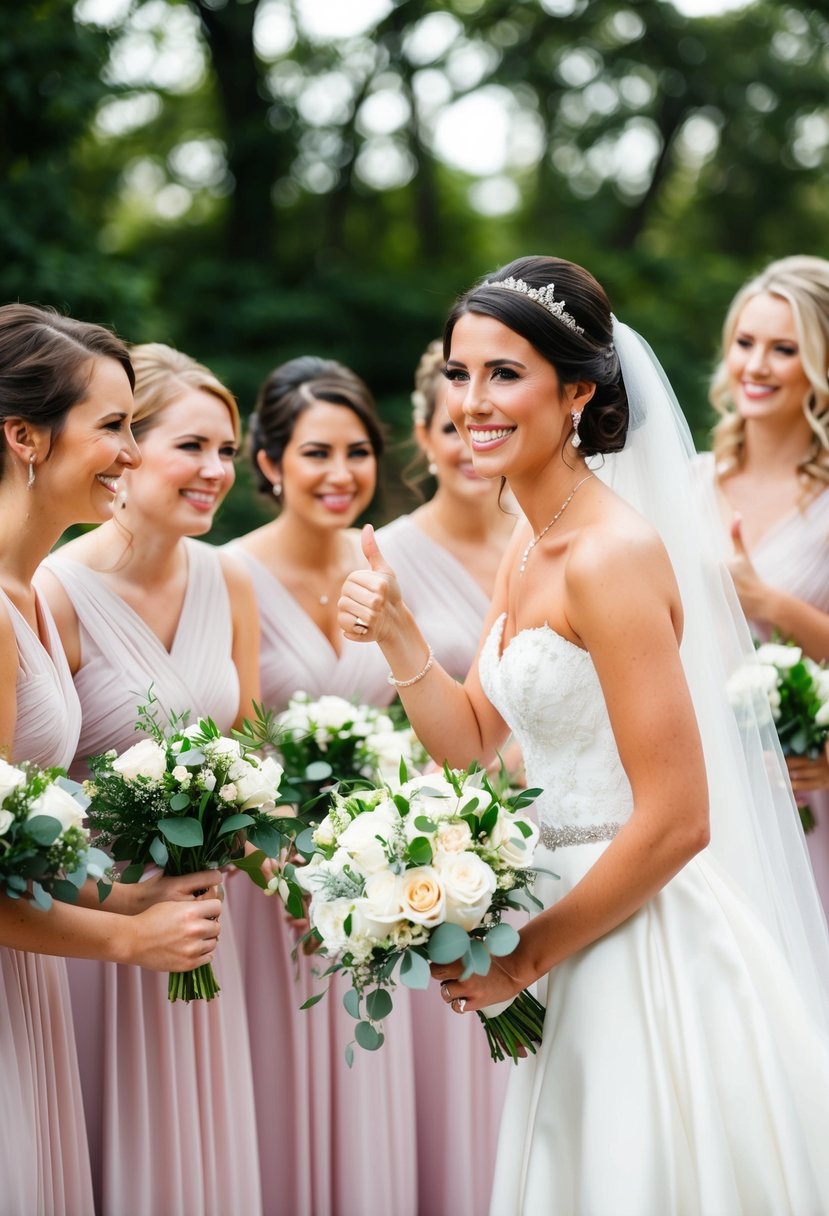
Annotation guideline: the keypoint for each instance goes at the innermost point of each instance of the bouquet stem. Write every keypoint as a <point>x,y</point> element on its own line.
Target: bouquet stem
<point>197,985</point>
<point>518,1027</point>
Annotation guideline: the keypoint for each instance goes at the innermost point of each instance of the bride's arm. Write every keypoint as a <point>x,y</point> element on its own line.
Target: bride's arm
<point>454,722</point>
<point>622,601</point>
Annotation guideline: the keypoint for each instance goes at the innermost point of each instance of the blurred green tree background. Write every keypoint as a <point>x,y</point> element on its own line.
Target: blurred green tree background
<point>255,179</point>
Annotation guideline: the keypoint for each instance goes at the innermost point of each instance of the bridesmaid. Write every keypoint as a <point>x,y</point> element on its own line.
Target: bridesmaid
<point>347,1135</point>
<point>65,406</point>
<point>770,466</point>
<point>139,603</point>
<point>446,554</point>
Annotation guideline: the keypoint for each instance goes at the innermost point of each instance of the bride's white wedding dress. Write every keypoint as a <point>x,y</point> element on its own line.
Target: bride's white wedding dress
<point>680,1073</point>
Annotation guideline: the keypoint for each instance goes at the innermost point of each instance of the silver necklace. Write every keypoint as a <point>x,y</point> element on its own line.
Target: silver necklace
<point>546,529</point>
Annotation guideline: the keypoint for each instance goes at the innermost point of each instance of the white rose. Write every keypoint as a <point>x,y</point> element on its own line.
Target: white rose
<point>454,836</point>
<point>386,749</point>
<point>317,874</point>
<point>223,748</point>
<point>228,792</point>
<point>822,715</point>
<point>207,780</point>
<point>380,907</point>
<point>144,759</point>
<point>362,837</point>
<point>422,896</point>
<point>182,774</point>
<point>272,771</point>
<point>6,820</point>
<point>10,779</point>
<point>509,842</point>
<point>324,832</point>
<point>778,655</point>
<point>59,804</point>
<point>754,688</point>
<point>329,918</point>
<point>469,884</point>
<point>430,795</point>
<point>253,787</point>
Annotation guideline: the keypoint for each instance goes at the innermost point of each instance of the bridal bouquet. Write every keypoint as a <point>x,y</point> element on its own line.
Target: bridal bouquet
<point>331,743</point>
<point>187,799</point>
<point>44,847</point>
<point>422,873</point>
<point>794,690</point>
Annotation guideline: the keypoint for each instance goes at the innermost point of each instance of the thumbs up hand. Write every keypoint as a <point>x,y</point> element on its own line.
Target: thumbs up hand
<point>751,589</point>
<point>369,597</point>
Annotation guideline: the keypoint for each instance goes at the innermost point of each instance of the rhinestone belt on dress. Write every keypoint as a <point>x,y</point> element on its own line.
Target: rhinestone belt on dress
<point>557,838</point>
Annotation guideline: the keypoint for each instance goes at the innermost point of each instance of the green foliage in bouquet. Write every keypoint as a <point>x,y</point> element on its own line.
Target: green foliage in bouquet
<point>44,848</point>
<point>332,745</point>
<point>401,878</point>
<point>187,798</point>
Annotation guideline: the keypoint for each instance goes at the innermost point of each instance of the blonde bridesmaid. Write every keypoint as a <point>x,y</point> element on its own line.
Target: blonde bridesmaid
<point>770,467</point>
<point>65,407</point>
<point>346,1137</point>
<point>141,604</point>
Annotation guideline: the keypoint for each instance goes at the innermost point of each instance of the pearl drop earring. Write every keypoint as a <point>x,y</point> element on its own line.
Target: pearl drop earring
<point>576,416</point>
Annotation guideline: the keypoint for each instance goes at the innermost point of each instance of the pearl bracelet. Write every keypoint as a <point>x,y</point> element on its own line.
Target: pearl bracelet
<point>414,679</point>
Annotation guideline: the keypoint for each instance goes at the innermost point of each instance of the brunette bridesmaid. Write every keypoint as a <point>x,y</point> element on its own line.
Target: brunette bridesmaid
<point>346,1137</point>
<point>141,604</point>
<point>446,555</point>
<point>65,407</point>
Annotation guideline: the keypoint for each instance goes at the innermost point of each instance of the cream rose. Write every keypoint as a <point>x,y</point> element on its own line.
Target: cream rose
<point>422,897</point>
<point>145,759</point>
<point>255,784</point>
<point>329,918</point>
<point>58,803</point>
<point>453,836</point>
<point>10,779</point>
<point>469,884</point>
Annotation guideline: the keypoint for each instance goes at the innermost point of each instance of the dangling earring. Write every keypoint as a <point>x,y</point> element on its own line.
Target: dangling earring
<point>276,489</point>
<point>432,469</point>
<point>576,416</point>
<point>30,481</point>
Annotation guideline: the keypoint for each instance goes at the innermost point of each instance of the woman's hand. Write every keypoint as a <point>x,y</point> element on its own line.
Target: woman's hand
<point>807,774</point>
<point>501,983</point>
<point>165,888</point>
<point>753,593</point>
<point>370,597</point>
<point>175,936</point>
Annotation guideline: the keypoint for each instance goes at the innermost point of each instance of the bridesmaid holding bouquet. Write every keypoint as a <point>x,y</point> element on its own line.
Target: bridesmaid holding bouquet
<point>65,407</point>
<point>141,604</point>
<point>346,1137</point>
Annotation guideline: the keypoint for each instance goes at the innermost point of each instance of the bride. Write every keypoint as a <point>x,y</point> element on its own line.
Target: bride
<point>682,954</point>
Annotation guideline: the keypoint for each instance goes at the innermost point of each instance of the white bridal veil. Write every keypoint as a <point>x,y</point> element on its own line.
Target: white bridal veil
<point>755,828</point>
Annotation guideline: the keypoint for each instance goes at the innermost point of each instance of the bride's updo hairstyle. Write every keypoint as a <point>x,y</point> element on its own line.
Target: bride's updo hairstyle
<point>294,387</point>
<point>577,341</point>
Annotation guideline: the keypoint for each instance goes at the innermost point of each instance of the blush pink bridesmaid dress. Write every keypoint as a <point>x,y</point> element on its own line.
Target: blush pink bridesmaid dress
<point>168,1088</point>
<point>456,1156</point>
<point>334,1141</point>
<point>44,1162</point>
<point>794,556</point>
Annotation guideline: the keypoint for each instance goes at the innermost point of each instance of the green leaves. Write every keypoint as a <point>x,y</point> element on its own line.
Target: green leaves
<point>179,802</point>
<point>419,852</point>
<point>235,823</point>
<point>44,829</point>
<point>447,944</point>
<point>182,831</point>
<point>378,1004</point>
<point>368,1037</point>
<point>414,970</point>
<point>501,940</point>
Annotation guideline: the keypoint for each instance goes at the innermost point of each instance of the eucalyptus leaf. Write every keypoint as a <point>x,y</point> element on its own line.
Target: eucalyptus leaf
<point>235,823</point>
<point>266,837</point>
<point>501,940</point>
<point>480,959</point>
<point>424,824</point>
<point>45,829</point>
<point>182,831</point>
<point>159,851</point>
<point>304,842</point>
<point>419,851</point>
<point>179,802</point>
<point>378,1004</point>
<point>133,872</point>
<point>414,970</point>
<point>42,898</point>
<point>251,864</point>
<point>349,1055</point>
<point>351,1000</point>
<point>65,891</point>
<point>318,770</point>
<point>368,1037</point>
<point>448,943</point>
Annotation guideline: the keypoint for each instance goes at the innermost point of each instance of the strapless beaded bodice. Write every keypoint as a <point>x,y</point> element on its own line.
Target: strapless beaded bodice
<point>547,690</point>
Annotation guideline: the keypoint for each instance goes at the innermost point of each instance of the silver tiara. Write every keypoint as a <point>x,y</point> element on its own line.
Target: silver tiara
<point>542,295</point>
